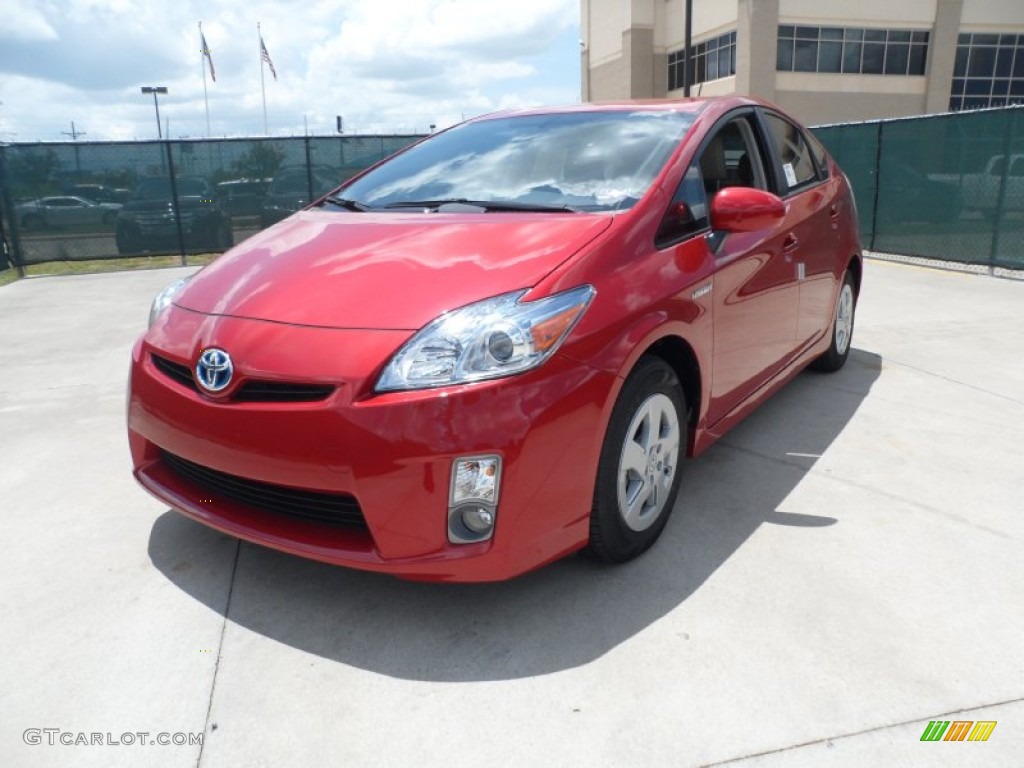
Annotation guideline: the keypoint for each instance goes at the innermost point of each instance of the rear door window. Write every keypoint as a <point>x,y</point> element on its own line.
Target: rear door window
<point>794,153</point>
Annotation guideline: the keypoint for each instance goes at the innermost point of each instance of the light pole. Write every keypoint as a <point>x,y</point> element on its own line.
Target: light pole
<point>688,68</point>
<point>155,89</point>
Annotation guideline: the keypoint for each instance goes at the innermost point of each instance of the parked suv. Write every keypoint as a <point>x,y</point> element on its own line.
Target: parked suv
<point>289,191</point>
<point>146,222</point>
<point>243,197</point>
<point>99,193</point>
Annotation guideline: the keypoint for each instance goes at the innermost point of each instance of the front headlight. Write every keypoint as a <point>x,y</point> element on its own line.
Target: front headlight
<point>165,297</point>
<point>487,340</point>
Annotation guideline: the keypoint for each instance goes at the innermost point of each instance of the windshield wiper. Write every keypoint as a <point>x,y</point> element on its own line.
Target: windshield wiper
<point>349,205</point>
<point>487,205</point>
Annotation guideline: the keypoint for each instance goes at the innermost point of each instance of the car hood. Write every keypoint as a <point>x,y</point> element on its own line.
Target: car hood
<point>385,270</point>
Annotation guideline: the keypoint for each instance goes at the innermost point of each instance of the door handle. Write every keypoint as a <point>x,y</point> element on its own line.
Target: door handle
<point>833,216</point>
<point>790,244</point>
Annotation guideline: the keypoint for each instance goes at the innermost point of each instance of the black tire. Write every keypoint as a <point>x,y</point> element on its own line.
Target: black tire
<point>225,237</point>
<point>128,242</point>
<point>839,348</point>
<point>616,535</point>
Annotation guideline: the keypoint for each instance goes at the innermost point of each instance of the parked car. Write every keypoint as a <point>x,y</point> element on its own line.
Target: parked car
<point>147,221</point>
<point>289,192</point>
<point>905,194</point>
<point>497,347</point>
<point>99,193</point>
<point>243,197</point>
<point>981,191</point>
<point>63,212</point>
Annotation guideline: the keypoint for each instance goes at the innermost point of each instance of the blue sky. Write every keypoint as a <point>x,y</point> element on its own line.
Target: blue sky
<point>386,65</point>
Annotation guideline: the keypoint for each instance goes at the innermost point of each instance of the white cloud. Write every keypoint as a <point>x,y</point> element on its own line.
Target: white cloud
<point>24,21</point>
<point>387,65</point>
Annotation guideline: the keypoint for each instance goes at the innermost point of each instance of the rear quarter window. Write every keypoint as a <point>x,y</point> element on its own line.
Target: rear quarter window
<point>820,155</point>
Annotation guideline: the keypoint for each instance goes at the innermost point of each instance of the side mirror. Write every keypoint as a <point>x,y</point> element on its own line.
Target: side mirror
<point>745,209</point>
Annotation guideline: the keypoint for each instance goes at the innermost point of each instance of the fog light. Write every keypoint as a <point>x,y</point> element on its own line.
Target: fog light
<point>473,498</point>
<point>478,519</point>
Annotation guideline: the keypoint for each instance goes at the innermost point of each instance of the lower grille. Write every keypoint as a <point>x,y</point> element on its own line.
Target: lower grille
<point>172,370</point>
<point>282,392</point>
<point>251,391</point>
<point>336,508</point>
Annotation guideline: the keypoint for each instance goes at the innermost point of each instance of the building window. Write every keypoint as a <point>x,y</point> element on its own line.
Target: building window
<point>988,72</point>
<point>709,60</point>
<point>851,50</point>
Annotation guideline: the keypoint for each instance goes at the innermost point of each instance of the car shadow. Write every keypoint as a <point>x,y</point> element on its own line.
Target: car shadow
<point>559,617</point>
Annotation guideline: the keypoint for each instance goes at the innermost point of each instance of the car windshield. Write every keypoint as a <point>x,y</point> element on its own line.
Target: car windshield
<point>593,161</point>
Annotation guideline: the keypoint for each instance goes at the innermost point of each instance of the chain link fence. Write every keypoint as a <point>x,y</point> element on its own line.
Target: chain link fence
<point>79,201</point>
<point>947,187</point>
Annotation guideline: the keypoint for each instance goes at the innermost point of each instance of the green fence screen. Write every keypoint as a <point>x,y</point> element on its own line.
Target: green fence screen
<point>78,200</point>
<point>947,187</point>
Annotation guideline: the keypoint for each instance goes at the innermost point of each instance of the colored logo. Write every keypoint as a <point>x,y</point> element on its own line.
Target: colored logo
<point>958,730</point>
<point>214,369</point>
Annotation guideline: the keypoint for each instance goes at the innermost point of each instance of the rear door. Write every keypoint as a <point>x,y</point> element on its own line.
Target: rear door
<point>813,213</point>
<point>65,211</point>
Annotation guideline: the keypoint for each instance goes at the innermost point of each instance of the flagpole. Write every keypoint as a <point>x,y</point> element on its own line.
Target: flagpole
<point>202,65</point>
<point>263,87</point>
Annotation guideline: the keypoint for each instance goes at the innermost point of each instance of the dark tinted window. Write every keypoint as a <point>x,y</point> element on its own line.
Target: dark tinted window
<point>687,213</point>
<point>851,50</point>
<point>293,182</point>
<point>160,188</point>
<point>794,152</point>
<point>730,158</point>
<point>820,155</point>
<point>988,71</point>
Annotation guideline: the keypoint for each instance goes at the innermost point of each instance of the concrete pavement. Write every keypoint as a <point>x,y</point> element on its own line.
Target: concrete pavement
<point>840,570</point>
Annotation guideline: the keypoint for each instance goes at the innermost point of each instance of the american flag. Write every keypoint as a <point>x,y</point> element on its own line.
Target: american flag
<point>266,57</point>
<point>206,55</point>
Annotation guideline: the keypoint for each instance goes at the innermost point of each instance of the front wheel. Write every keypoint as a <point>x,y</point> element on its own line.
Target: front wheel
<point>128,240</point>
<point>638,474</point>
<point>842,329</point>
<point>225,237</point>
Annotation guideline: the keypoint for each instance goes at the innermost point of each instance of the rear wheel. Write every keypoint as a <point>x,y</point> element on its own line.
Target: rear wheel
<point>638,474</point>
<point>129,241</point>
<point>842,328</point>
<point>225,237</point>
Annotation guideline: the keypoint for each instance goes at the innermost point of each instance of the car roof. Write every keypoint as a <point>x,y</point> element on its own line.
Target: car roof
<point>692,106</point>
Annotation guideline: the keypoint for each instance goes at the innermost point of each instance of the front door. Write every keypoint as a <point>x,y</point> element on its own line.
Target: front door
<point>755,293</point>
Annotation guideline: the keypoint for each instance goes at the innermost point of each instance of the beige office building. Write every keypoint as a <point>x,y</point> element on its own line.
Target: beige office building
<point>823,60</point>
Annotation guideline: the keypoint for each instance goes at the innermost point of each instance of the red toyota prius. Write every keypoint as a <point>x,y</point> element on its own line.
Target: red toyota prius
<point>497,346</point>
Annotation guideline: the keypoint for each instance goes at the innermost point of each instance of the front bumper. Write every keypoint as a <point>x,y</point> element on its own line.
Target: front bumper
<point>392,453</point>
